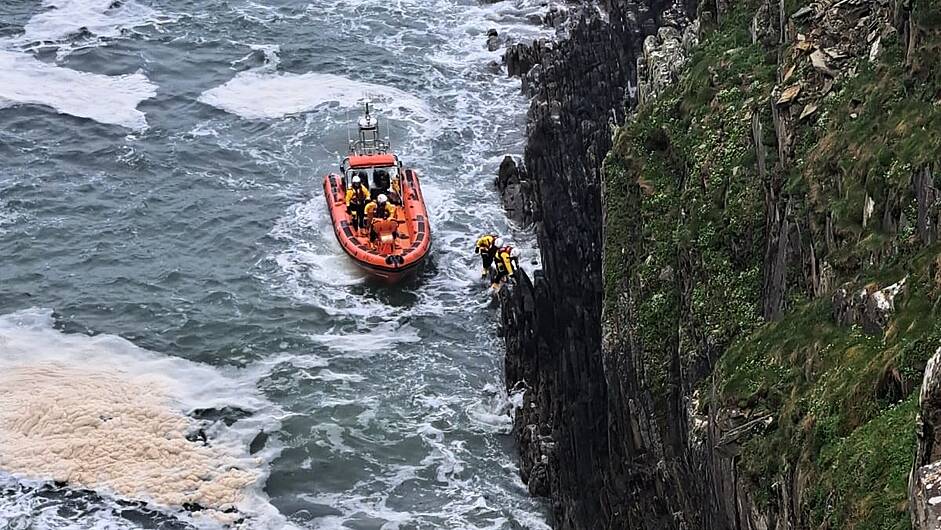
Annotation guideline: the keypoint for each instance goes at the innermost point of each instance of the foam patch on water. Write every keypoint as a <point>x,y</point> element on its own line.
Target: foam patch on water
<point>494,413</point>
<point>25,80</point>
<point>100,413</point>
<point>432,439</point>
<point>373,339</point>
<point>101,18</point>
<point>265,94</point>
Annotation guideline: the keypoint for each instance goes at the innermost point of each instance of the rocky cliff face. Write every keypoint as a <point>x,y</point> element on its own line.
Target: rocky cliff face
<point>581,87</point>
<point>730,325</point>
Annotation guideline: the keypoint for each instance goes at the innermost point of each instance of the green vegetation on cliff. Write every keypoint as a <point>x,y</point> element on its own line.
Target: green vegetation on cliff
<point>843,404</point>
<point>683,173</point>
<point>689,187</point>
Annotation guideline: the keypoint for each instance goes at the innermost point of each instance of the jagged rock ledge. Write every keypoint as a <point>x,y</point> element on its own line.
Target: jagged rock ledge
<point>517,192</point>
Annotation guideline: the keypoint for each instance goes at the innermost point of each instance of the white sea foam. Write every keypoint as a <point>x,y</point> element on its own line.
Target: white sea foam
<point>101,18</point>
<point>265,94</point>
<point>477,115</point>
<point>316,267</point>
<point>103,414</point>
<point>379,337</point>
<point>494,413</point>
<point>25,80</point>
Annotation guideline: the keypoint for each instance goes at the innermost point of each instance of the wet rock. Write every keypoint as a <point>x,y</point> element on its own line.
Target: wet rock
<point>198,436</point>
<point>521,58</point>
<point>557,16</point>
<point>258,442</point>
<point>517,191</point>
<point>228,415</point>
<point>493,40</point>
<point>579,87</point>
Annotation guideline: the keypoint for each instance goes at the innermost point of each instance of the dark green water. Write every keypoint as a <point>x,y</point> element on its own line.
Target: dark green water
<point>180,207</point>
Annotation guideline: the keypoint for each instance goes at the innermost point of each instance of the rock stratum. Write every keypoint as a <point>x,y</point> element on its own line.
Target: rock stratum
<point>737,209</point>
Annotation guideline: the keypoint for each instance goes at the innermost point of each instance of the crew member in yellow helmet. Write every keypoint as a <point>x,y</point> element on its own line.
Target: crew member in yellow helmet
<point>376,210</point>
<point>356,198</point>
<point>507,261</point>
<point>487,246</point>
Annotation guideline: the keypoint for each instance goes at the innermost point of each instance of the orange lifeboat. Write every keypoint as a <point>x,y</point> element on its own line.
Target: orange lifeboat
<point>390,249</point>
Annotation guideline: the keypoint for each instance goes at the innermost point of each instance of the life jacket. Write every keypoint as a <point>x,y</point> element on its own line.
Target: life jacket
<point>357,194</point>
<point>505,261</point>
<point>485,244</point>
<point>389,211</point>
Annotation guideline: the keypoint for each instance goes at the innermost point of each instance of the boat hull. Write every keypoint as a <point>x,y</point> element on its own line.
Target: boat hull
<point>402,256</point>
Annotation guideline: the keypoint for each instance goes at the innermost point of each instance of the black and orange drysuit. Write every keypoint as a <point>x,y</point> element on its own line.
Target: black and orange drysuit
<point>375,211</point>
<point>506,265</point>
<point>356,199</point>
<point>487,248</point>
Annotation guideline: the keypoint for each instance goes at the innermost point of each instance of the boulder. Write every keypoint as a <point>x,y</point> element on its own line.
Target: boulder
<point>664,56</point>
<point>868,307</point>
<point>493,40</point>
<point>516,191</point>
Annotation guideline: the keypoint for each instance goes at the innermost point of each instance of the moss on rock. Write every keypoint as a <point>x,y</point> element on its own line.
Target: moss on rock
<point>685,243</point>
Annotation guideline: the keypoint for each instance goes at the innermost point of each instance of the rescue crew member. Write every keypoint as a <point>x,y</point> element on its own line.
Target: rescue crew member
<point>487,246</point>
<point>395,194</point>
<point>507,261</point>
<point>378,209</point>
<point>357,196</point>
<point>381,182</point>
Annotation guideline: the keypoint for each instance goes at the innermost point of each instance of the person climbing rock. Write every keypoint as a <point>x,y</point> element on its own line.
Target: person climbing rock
<point>505,265</point>
<point>487,246</point>
<point>357,196</point>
